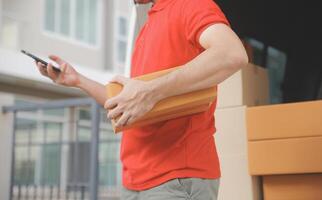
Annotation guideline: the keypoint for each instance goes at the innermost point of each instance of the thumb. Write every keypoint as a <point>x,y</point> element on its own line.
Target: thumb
<point>120,79</point>
<point>63,67</point>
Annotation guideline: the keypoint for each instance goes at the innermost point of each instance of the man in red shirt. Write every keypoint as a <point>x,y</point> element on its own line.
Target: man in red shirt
<point>174,159</point>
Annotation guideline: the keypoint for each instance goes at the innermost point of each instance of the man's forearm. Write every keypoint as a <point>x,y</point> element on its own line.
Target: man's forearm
<point>208,69</point>
<point>93,89</point>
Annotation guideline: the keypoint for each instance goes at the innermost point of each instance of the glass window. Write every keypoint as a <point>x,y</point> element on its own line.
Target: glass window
<point>84,114</point>
<point>50,173</point>
<point>53,131</point>
<point>108,134</point>
<point>80,26</point>
<point>25,129</point>
<point>121,34</point>
<point>24,166</point>
<point>121,51</point>
<point>84,133</point>
<point>37,137</point>
<point>65,17</point>
<point>79,163</point>
<point>109,163</point>
<point>258,51</point>
<point>80,19</point>
<point>50,15</point>
<point>92,24</point>
<point>44,164</point>
<point>103,117</point>
<point>276,62</point>
<point>35,157</point>
<point>122,28</point>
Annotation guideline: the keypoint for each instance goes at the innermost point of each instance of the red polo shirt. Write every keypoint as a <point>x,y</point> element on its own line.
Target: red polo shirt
<point>182,147</point>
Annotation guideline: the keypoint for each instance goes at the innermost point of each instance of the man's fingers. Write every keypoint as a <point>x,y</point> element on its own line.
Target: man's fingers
<point>112,114</point>
<point>42,69</point>
<point>62,64</point>
<point>120,79</point>
<point>123,120</point>
<point>56,59</point>
<point>110,103</point>
<point>63,67</point>
<point>51,72</point>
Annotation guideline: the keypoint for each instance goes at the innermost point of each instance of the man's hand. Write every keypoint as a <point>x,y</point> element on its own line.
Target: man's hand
<point>136,99</point>
<point>71,78</point>
<point>68,75</point>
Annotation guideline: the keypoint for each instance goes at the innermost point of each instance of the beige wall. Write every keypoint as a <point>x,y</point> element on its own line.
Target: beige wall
<point>231,142</point>
<point>107,39</point>
<point>5,145</point>
<point>123,6</point>
<point>30,15</point>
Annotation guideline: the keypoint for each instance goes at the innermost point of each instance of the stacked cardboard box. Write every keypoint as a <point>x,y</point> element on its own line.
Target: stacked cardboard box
<point>286,139</point>
<point>248,87</point>
<point>293,187</point>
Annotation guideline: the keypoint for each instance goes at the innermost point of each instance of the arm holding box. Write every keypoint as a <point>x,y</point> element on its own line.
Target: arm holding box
<point>224,55</point>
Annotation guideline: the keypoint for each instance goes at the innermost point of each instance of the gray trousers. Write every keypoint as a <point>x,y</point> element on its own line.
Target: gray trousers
<point>177,189</point>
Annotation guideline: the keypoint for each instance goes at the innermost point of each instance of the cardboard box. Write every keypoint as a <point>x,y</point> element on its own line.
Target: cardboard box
<point>249,86</point>
<point>165,117</point>
<point>285,121</point>
<point>293,187</point>
<point>231,135</point>
<point>231,143</point>
<point>169,108</point>
<point>285,156</point>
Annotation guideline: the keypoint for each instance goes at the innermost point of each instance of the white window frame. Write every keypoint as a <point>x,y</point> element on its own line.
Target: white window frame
<point>72,37</point>
<point>132,33</point>
<point>119,66</point>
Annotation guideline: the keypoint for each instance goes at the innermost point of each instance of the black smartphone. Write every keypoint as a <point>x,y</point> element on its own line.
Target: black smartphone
<point>56,69</point>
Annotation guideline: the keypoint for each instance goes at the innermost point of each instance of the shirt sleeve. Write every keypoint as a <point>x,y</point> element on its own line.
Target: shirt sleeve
<point>198,16</point>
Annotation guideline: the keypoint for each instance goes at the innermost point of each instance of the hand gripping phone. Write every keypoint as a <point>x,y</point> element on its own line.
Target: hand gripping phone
<point>44,63</point>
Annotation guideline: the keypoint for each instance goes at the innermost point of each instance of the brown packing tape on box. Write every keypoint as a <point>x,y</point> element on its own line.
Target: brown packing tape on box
<point>291,187</point>
<point>285,156</point>
<point>284,121</point>
<point>169,108</point>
